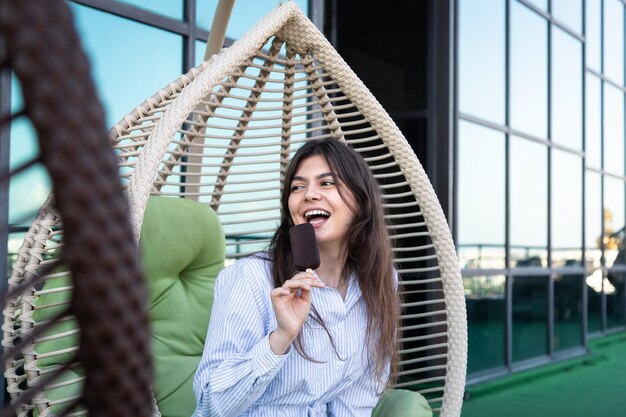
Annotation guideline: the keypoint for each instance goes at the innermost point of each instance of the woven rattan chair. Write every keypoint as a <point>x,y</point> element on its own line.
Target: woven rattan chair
<point>223,133</point>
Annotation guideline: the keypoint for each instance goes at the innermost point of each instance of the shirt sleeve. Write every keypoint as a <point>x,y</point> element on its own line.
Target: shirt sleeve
<point>237,362</point>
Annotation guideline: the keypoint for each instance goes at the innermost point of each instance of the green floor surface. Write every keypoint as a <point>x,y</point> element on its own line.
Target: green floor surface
<point>591,386</point>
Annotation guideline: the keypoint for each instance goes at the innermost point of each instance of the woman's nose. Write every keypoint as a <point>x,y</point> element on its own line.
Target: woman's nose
<point>312,194</point>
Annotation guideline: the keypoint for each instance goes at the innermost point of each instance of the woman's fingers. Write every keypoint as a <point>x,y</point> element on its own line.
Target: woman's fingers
<point>308,279</point>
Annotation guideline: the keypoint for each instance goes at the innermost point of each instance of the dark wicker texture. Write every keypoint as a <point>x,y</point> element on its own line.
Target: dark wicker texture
<point>109,298</point>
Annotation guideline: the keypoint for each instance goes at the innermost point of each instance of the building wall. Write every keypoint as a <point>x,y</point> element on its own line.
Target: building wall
<point>539,176</point>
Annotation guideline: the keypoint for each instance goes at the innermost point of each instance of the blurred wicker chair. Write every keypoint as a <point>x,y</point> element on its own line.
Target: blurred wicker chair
<point>222,135</point>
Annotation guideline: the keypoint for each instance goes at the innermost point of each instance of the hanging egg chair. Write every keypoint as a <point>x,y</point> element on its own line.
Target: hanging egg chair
<point>222,136</point>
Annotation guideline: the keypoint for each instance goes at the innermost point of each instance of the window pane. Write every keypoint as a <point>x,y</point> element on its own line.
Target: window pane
<point>614,290</point>
<point>529,71</point>
<point>593,224</point>
<point>29,189</point>
<point>130,63</point>
<point>481,59</point>
<point>593,244</point>
<point>530,317</point>
<point>245,14</point>
<point>568,12</point>
<point>614,221</point>
<point>169,8</point>
<point>484,297</point>
<point>593,34</point>
<point>529,203</point>
<point>614,40</point>
<point>613,130</point>
<point>542,4</point>
<point>481,197</point>
<point>566,201</point>
<point>568,315</point>
<point>566,90</point>
<point>592,129</point>
<point>594,301</point>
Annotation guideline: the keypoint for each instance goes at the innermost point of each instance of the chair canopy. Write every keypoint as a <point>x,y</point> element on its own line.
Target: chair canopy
<point>223,135</point>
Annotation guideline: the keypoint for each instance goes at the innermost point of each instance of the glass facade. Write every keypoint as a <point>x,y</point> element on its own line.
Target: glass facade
<point>540,176</point>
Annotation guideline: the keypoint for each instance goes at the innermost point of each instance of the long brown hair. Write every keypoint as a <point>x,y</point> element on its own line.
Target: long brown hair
<point>369,253</point>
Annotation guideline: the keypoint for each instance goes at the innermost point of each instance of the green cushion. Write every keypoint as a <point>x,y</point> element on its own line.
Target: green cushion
<point>182,248</point>
<point>182,251</point>
<point>402,403</point>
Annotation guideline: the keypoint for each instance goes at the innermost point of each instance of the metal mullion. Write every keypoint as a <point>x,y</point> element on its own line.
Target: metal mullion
<point>189,39</point>
<point>453,151</point>
<point>623,118</point>
<point>468,273</point>
<point>602,245</point>
<point>550,283</point>
<point>583,286</point>
<point>5,170</point>
<point>137,14</point>
<point>509,131</point>
<point>508,296</point>
<point>548,16</point>
<point>534,8</point>
<point>5,161</point>
<point>483,122</point>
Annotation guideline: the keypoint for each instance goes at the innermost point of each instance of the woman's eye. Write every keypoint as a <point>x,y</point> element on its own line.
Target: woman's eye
<point>328,183</point>
<point>296,187</point>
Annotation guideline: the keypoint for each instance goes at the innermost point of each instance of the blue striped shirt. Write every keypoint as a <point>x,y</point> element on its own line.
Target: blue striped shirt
<point>239,375</point>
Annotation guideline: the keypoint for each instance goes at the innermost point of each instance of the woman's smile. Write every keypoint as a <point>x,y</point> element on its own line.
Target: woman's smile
<point>315,199</point>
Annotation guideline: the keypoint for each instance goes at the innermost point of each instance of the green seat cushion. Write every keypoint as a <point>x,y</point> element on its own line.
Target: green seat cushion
<point>402,403</point>
<point>182,251</point>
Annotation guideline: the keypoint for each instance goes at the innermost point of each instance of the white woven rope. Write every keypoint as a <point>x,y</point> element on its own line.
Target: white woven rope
<point>152,143</point>
<point>290,25</point>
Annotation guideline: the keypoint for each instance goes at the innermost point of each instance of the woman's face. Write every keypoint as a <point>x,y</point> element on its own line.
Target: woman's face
<point>314,198</point>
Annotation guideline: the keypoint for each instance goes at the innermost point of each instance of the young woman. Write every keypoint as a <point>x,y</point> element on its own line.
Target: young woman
<point>289,343</point>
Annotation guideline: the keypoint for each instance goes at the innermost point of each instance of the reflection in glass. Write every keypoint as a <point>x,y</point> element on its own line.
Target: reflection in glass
<point>480,197</point>
<point>614,40</point>
<point>592,28</point>
<point>566,89</point>
<point>613,130</point>
<point>530,317</point>
<point>593,145</point>
<point>169,8</point>
<point>593,283</point>
<point>484,297</point>
<point>569,12</point>
<point>529,71</point>
<point>481,59</point>
<point>529,203</point>
<point>245,14</point>
<point>593,221</point>
<point>614,290</point>
<point>129,63</point>
<point>614,221</point>
<point>568,315</point>
<point>566,201</point>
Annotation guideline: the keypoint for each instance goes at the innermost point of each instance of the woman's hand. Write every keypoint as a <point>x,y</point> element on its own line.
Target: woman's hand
<point>291,303</point>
